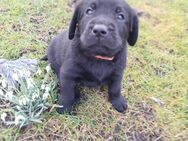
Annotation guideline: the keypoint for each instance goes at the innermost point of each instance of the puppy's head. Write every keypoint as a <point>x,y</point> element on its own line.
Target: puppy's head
<point>104,26</point>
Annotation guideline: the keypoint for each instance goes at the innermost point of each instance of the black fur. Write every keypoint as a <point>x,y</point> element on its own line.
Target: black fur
<point>98,27</point>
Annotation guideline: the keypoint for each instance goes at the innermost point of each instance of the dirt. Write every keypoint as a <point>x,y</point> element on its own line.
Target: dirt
<point>163,70</point>
<point>143,14</point>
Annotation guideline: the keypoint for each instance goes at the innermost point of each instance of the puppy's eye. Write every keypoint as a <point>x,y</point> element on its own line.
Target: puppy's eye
<point>121,17</point>
<point>89,11</point>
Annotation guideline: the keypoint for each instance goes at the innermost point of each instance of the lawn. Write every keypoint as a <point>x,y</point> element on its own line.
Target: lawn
<point>155,81</point>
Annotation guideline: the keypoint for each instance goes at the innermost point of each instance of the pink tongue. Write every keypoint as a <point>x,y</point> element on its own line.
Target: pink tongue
<point>104,58</point>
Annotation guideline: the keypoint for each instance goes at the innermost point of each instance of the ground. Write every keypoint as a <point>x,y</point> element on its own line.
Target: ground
<point>155,81</point>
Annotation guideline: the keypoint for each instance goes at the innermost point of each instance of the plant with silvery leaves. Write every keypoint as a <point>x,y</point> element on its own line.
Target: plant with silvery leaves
<point>29,101</point>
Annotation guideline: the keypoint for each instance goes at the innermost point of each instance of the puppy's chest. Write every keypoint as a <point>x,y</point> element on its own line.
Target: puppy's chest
<point>97,72</point>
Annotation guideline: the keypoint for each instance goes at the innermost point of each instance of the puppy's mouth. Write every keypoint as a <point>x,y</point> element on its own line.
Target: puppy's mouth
<point>99,56</point>
<point>100,53</point>
<point>99,49</point>
<point>104,58</point>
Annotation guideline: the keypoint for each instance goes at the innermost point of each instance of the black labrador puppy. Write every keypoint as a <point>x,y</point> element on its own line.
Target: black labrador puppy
<point>93,51</point>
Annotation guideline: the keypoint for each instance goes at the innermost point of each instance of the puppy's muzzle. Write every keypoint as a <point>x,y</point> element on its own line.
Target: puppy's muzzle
<point>101,27</point>
<point>100,30</point>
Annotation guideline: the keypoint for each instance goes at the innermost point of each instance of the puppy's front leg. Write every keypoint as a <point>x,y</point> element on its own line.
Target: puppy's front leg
<point>67,94</point>
<point>115,97</point>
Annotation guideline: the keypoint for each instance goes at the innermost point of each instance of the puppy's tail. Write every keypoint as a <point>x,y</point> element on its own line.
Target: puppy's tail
<point>45,58</point>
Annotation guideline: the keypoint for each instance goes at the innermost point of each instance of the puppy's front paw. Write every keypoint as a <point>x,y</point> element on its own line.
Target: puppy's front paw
<point>68,108</point>
<point>120,104</point>
<point>64,109</point>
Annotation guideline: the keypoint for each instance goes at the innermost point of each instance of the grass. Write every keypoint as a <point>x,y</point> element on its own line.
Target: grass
<point>157,67</point>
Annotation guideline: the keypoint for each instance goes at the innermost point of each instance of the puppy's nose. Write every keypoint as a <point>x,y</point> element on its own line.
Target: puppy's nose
<point>100,30</point>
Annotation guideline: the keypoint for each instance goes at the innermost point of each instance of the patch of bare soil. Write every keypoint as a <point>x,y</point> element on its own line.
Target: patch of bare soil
<point>141,126</point>
<point>163,70</point>
<point>3,10</point>
<point>143,14</point>
<point>38,21</point>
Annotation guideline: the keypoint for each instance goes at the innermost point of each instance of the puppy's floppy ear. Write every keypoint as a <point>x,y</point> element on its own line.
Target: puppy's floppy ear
<point>73,24</point>
<point>134,28</point>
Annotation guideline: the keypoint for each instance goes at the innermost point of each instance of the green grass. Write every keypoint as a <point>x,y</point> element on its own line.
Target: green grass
<point>157,67</point>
